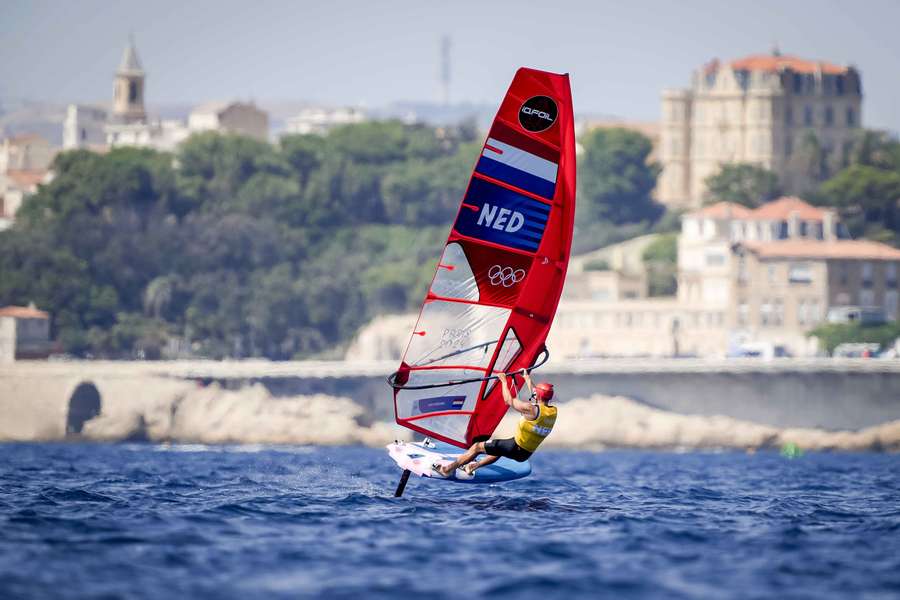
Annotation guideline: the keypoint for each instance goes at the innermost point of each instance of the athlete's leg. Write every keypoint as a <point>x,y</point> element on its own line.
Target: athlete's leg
<point>464,458</point>
<point>487,460</point>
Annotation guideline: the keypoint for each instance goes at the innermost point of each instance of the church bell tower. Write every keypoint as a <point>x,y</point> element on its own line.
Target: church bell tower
<point>128,88</point>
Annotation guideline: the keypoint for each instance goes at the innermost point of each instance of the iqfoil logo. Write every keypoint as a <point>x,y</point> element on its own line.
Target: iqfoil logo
<point>501,219</point>
<point>538,113</point>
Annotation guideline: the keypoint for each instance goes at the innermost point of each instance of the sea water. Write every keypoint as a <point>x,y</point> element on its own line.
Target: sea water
<point>152,521</point>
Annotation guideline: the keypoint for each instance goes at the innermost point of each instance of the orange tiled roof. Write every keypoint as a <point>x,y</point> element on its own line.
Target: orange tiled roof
<point>837,249</point>
<point>774,63</point>
<point>24,138</point>
<point>26,179</point>
<point>723,210</point>
<point>782,208</point>
<point>23,312</point>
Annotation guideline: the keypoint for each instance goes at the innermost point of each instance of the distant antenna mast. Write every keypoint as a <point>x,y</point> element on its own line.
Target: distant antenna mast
<point>445,70</point>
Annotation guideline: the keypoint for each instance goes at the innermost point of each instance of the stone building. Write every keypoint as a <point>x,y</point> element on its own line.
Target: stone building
<point>781,289</point>
<point>85,127</point>
<point>760,109</point>
<point>230,117</point>
<point>28,152</point>
<point>24,163</point>
<point>745,276</point>
<point>24,333</point>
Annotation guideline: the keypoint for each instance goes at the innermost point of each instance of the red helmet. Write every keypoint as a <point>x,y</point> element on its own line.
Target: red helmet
<point>544,390</point>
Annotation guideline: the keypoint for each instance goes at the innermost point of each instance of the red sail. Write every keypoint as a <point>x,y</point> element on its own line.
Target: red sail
<point>499,279</point>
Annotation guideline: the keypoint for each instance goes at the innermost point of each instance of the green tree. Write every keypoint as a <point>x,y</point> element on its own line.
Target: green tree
<point>811,161</point>
<point>660,259</point>
<point>616,178</point>
<point>831,335</point>
<point>875,149</point>
<point>746,184</point>
<point>868,200</point>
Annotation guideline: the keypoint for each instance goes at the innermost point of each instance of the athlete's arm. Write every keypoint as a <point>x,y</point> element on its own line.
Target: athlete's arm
<point>527,377</point>
<point>523,407</point>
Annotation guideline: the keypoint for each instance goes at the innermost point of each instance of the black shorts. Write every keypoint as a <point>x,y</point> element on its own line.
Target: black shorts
<point>508,448</point>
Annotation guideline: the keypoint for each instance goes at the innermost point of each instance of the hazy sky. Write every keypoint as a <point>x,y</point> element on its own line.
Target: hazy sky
<point>620,54</point>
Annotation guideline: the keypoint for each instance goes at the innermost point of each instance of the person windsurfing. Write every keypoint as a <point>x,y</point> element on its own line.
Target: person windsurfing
<point>538,419</point>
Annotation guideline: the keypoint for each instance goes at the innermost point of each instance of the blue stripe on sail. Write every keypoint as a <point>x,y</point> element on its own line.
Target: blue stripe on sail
<point>502,217</point>
<point>539,215</point>
<point>515,177</point>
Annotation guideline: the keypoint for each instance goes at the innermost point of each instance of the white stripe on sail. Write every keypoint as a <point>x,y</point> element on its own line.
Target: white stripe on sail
<point>521,160</point>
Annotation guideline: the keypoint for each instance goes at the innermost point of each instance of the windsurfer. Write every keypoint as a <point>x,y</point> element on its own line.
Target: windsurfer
<point>538,418</point>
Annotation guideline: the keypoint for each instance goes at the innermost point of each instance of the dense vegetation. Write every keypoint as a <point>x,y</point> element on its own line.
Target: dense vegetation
<point>742,183</point>
<point>615,182</point>
<point>660,258</point>
<point>234,247</point>
<point>831,335</point>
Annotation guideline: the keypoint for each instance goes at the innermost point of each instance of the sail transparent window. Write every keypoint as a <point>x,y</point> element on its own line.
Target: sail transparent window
<point>454,278</point>
<point>456,334</point>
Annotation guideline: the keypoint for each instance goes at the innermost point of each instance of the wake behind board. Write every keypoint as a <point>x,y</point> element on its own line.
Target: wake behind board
<point>418,457</point>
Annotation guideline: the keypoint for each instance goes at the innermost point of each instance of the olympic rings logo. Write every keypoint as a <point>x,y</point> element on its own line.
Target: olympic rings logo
<point>505,276</point>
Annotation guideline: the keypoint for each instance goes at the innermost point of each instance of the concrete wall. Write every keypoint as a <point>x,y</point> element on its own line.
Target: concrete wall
<point>40,400</point>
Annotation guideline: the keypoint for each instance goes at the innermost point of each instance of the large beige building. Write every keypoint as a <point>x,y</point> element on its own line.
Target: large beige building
<point>763,276</point>
<point>759,110</point>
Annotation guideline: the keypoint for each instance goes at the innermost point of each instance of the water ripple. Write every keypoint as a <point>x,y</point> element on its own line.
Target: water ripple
<point>141,521</point>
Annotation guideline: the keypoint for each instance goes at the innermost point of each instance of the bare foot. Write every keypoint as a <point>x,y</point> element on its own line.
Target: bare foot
<point>470,468</point>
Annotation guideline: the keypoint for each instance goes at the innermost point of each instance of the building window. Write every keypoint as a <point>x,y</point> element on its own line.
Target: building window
<point>765,313</point>
<point>813,311</point>
<point>800,273</point>
<point>842,273</point>
<point>771,273</point>
<point>839,85</point>
<point>778,312</point>
<point>742,271</point>
<point>788,116</point>
<point>783,230</point>
<point>715,259</point>
<point>132,91</point>
<point>866,298</point>
<point>743,314</point>
<point>890,274</point>
<point>867,271</point>
<point>788,146</point>
<point>829,116</point>
<point>83,134</point>
<point>798,83</point>
<point>801,313</point>
<point>890,304</point>
<point>808,115</point>
<point>851,117</point>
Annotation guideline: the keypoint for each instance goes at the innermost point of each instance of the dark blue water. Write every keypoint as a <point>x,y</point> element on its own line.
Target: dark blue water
<point>95,521</point>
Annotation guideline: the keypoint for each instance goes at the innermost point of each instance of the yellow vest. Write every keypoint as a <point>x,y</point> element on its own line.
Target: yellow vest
<point>530,434</point>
